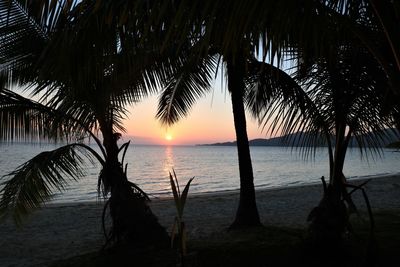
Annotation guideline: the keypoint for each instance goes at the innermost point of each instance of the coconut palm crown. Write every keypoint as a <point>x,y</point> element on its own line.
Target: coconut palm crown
<point>82,74</point>
<point>337,101</point>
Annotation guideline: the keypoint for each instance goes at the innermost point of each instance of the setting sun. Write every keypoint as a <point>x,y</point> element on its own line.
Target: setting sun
<point>168,137</point>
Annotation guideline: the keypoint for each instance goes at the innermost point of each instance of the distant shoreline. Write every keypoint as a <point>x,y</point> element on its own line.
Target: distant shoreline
<point>299,139</point>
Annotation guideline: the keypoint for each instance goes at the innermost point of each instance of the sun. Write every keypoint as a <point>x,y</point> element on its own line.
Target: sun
<point>168,137</point>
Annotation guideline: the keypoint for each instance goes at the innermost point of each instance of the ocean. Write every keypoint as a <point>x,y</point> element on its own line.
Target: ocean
<point>215,168</point>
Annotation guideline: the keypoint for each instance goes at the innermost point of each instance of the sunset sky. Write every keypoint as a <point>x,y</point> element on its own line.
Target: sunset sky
<point>209,121</point>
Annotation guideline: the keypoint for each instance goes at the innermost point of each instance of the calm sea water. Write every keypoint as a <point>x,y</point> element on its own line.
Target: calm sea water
<point>214,168</point>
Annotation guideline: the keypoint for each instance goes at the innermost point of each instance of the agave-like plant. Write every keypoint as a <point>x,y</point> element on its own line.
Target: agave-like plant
<point>179,227</point>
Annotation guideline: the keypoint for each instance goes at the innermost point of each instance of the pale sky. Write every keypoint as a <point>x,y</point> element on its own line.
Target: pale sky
<point>210,120</point>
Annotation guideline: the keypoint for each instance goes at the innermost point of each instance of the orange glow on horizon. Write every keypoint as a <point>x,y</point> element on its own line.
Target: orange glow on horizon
<point>210,121</point>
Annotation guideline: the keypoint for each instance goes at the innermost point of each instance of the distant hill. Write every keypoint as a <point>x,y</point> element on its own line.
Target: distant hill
<point>299,138</point>
<point>275,141</point>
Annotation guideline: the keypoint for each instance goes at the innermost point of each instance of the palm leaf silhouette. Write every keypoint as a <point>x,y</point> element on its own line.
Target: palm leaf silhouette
<point>35,181</point>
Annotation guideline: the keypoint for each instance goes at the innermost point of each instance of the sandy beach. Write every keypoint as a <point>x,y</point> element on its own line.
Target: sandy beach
<point>64,230</point>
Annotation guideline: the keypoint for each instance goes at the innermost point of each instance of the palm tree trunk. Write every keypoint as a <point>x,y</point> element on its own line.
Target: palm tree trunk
<point>247,213</point>
<point>330,219</point>
<point>132,219</point>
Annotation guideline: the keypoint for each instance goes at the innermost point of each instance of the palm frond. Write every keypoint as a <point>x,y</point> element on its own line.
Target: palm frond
<point>106,60</point>
<point>35,181</point>
<point>190,83</point>
<point>45,12</point>
<point>351,92</point>
<point>24,118</point>
<point>21,40</point>
<point>282,107</point>
<point>26,27</point>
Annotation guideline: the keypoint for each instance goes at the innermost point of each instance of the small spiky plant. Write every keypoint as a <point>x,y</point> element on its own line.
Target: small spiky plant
<point>178,228</point>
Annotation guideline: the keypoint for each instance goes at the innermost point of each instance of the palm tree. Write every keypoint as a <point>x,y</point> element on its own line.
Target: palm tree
<point>336,99</point>
<point>177,100</point>
<point>83,75</point>
<point>236,31</point>
<point>233,30</point>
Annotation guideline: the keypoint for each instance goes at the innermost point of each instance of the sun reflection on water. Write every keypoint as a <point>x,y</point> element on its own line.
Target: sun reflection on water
<point>215,168</point>
<point>168,160</point>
